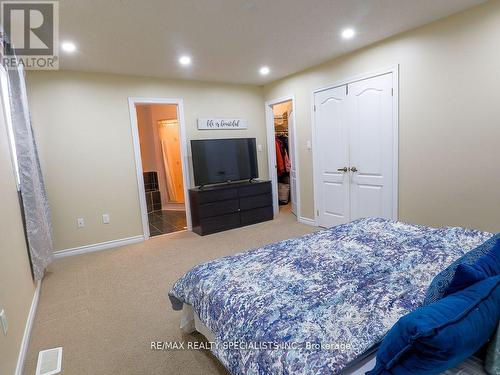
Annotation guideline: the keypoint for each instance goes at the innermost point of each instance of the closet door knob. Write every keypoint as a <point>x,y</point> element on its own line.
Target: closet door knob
<point>354,169</point>
<point>345,169</point>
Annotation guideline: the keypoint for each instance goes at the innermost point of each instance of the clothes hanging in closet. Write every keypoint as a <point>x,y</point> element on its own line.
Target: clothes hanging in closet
<point>288,164</point>
<point>282,160</point>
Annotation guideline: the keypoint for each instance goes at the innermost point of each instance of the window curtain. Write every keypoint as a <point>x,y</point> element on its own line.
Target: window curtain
<point>33,195</point>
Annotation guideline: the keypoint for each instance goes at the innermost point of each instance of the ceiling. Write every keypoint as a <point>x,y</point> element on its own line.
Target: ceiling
<point>229,40</point>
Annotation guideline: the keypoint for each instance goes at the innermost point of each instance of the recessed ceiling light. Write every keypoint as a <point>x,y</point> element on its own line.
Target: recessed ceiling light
<point>348,33</point>
<point>68,47</point>
<point>264,70</point>
<point>185,60</point>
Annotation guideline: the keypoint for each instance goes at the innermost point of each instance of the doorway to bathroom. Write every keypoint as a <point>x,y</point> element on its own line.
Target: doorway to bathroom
<point>159,133</point>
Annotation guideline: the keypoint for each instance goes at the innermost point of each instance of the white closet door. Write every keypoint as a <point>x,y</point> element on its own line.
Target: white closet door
<point>371,147</point>
<point>293,173</point>
<point>331,154</point>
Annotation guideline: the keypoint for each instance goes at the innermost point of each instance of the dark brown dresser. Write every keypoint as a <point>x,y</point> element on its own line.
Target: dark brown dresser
<point>222,207</point>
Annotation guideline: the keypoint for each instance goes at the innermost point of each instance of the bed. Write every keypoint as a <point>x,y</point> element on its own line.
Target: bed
<point>317,304</point>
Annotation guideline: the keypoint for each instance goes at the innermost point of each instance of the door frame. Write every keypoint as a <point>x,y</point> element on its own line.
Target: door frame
<point>271,151</point>
<point>132,101</point>
<point>394,69</point>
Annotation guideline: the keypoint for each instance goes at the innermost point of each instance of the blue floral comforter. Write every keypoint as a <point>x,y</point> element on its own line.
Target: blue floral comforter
<point>313,304</point>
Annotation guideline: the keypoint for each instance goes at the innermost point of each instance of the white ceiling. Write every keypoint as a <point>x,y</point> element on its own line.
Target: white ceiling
<point>229,40</point>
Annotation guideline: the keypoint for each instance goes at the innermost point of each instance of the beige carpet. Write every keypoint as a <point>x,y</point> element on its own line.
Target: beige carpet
<point>105,308</point>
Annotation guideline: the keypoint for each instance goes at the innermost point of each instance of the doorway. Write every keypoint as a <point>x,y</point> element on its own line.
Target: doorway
<point>280,119</point>
<point>162,175</point>
<point>355,150</point>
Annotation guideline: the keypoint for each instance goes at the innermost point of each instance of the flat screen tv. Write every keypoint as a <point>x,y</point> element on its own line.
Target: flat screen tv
<point>224,160</point>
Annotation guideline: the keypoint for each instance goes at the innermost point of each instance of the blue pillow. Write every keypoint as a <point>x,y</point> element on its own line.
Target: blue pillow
<point>441,282</point>
<point>440,336</point>
<point>486,266</point>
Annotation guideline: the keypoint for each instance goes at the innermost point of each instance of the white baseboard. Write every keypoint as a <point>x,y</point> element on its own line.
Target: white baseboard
<point>34,304</point>
<point>98,246</point>
<point>305,220</point>
<point>27,331</point>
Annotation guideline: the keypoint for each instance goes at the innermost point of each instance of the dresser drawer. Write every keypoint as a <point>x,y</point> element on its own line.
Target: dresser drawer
<point>219,223</point>
<point>216,195</point>
<point>256,201</point>
<point>218,208</point>
<point>254,189</point>
<point>256,215</point>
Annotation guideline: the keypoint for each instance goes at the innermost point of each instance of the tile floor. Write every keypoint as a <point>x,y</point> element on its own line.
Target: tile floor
<point>166,221</point>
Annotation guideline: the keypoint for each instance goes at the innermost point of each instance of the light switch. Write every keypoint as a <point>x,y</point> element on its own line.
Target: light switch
<point>105,218</point>
<point>308,145</point>
<point>3,322</point>
<point>80,222</point>
<point>259,148</point>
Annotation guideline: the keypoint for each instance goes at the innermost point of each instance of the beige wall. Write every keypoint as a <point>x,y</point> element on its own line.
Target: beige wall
<point>449,160</point>
<point>16,284</point>
<point>82,125</point>
<point>449,141</point>
<point>449,129</point>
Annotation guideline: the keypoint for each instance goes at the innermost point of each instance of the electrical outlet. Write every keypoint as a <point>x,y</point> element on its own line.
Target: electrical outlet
<point>105,218</point>
<point>80,222</point>
<point>3,322</point>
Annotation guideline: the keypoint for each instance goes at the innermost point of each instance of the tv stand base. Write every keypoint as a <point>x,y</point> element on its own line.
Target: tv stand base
<point>222,207</point>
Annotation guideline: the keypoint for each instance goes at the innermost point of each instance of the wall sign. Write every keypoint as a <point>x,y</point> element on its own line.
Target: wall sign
<point>221,123</point>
